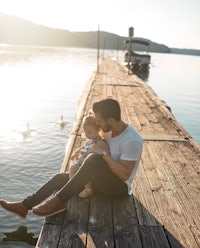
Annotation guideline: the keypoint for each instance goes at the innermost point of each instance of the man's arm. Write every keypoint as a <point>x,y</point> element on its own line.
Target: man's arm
<point>122,169</point>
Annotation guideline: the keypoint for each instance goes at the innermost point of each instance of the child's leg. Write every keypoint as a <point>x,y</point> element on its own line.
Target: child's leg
<point>89,185</point>
<point>72,170</point>
<point>87,191</point>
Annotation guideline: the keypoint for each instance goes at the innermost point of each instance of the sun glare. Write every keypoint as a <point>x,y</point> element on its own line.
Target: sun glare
<point>13,105</point>
<point>20,93</point>
<point>25,88</point>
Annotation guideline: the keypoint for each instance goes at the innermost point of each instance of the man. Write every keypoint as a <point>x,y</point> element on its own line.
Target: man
<point>111,173</point>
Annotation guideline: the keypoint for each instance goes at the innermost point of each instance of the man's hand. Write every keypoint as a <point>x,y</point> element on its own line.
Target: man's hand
<point>99,147</point>
<point>96,149</point>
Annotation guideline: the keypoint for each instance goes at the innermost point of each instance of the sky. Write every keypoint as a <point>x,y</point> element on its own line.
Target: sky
<point>173,23</point>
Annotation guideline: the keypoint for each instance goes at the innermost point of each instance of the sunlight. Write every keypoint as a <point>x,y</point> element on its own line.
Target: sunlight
<point>46,12</point>
<point>20,93</point>
<point>14,104</point>
<point>26,88</point>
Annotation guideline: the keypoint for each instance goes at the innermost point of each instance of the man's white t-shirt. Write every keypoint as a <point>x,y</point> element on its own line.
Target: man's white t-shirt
<point>126,146</point>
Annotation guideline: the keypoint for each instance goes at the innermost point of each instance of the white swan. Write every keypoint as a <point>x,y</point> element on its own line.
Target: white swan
<point>61,122</point>
<point>28,131</point>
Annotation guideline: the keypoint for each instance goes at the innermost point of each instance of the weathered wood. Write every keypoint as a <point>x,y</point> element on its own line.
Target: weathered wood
<point>146,207</point>
<point>163,138</point>
<point>100,228</point>
<point>164,210</point>
<point>51,231</point>
<point>49,236</point>
<point>154,236</point>
<point>74,229</point>
<point>126,229</point>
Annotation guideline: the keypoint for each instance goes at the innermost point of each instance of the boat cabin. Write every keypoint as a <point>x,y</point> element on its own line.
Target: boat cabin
<point>137,61</point>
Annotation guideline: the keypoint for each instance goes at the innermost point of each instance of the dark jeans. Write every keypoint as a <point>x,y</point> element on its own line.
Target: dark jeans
<point>93,168</point>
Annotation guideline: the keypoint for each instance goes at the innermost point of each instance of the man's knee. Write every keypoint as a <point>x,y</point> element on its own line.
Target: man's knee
<point>93,160</point>
<point>93,157</point>
<point>60,178</point>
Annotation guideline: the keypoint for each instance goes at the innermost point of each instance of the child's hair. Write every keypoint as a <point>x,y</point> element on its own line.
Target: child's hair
<point>90,120</point>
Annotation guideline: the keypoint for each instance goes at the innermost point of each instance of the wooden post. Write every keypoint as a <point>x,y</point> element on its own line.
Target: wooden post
<point>98,41</point>
<point>131,31</point>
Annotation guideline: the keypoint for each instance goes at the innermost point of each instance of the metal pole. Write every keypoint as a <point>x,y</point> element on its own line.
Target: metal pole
<point>117,46</point>
<point>131,31</point>
<point>104,44</point>
<point>98,38</point>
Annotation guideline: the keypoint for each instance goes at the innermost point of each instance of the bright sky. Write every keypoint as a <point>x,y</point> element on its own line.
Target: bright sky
<point>169,22</point>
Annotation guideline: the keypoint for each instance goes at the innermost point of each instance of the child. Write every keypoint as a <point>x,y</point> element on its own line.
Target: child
<point>92,131</point>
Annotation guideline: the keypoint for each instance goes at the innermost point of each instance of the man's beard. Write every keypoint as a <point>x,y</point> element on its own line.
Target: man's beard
<point>107,128</point>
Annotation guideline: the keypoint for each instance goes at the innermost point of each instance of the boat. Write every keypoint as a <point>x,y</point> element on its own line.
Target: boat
<point>137,61</point>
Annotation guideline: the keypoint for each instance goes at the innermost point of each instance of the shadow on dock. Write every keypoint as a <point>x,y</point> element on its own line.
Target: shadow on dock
<point>102,222</point>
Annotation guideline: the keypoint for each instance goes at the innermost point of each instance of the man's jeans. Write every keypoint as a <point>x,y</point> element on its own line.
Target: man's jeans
<point>93,168</point>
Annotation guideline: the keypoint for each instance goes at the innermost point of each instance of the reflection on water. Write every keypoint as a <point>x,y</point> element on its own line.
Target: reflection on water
<point>21,235</point>
<point>144,75</point>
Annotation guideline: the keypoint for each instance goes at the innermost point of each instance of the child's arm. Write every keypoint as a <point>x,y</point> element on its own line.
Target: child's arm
<point>76,153</point>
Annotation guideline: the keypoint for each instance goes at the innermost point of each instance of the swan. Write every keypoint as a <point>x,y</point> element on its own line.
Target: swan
<point>61,122</point>
<point>28,131</point>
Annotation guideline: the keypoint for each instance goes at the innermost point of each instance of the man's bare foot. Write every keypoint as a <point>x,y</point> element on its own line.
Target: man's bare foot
<point>86,193</point>
<point>50,207</point>
<point>15,207</point>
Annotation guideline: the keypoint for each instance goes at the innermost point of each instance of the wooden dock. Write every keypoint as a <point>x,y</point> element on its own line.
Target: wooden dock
<point>164,210</point>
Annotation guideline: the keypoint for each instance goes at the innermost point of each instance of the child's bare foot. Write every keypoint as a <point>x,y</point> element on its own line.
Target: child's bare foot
<point>86,193</point>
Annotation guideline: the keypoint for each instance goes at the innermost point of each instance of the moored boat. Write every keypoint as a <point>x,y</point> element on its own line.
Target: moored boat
<point>137,61</point>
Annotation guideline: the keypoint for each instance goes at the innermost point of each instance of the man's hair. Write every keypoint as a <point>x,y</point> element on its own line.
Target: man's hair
<point>108,108</point>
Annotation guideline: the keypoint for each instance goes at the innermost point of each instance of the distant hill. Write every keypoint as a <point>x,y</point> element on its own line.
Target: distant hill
<point>14,30</point>
<point>185,51</point>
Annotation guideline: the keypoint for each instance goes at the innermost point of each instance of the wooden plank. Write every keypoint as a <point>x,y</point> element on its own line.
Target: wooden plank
<point>100,225</point>
<point>69,145</point>
<point>196,233</point>
<point>179,170</point>
<point>132,118</point>
<point>126,230</point>
<point>162,137</point>
<point>71,236</point>
<point>49,236</point>
<point>128,237</point>
<point>51,231</point>
<point>178,232</point>
<point>155,237</point>
<point>172,213</point>
<point>118,85</point>
<point>74,228</point>
<point>56,219</point>
<point>146,206</point>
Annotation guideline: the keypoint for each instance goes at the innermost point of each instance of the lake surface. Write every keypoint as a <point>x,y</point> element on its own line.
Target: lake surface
<point>38,85</point>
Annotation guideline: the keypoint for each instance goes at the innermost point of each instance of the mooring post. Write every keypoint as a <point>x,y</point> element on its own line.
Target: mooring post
<point>98,42</point>
<point>131,33</point>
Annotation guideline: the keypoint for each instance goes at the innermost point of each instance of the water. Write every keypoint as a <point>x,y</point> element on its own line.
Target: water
<point>38,85</point>
<point>176,79</point>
